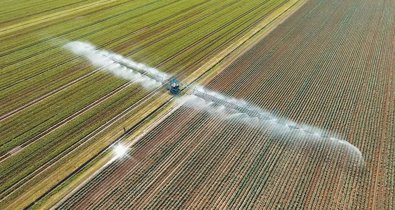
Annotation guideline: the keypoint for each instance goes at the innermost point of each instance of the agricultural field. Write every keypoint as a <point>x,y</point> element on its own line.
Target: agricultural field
<point>58,111</point>
<point>331,66</point>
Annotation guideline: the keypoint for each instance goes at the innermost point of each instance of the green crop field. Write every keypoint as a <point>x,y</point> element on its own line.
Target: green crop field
<point>58,111</point>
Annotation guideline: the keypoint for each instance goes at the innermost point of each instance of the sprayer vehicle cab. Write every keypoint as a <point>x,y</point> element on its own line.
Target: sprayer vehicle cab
<point>174,86</point>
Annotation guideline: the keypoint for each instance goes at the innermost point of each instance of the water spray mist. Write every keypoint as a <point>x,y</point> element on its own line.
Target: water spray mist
<point>203,99</point>
<point>118,65</point>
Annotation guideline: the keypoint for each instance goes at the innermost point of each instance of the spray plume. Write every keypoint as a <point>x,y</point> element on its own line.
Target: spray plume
<point>118,65</point>
<point>203,99</point>
<point>231,108</point>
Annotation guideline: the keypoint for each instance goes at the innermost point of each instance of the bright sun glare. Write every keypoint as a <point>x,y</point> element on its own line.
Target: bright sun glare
<point>120,151</point>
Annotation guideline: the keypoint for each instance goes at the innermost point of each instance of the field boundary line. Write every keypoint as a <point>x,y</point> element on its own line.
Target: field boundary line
<point>51,17</point>
<point>106,138</point>
<point>203,74</point>
<point>131,140</point>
